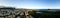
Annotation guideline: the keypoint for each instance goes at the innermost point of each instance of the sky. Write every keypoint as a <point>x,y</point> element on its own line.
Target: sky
<point>31,4</point>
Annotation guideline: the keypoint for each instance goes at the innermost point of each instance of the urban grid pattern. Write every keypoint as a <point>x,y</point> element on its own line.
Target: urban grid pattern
<point>14,13</point>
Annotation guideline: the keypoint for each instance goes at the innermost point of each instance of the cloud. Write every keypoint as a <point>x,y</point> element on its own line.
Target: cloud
<point>27,4</point>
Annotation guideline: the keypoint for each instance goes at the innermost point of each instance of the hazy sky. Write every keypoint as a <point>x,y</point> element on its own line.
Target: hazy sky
<point>31,4</point>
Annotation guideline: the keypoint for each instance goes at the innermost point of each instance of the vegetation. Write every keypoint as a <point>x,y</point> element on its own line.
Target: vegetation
<point>45,14</point>
<point>32,12</point>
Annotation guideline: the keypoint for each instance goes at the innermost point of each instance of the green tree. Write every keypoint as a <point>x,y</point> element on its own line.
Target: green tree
<point>32,12</point>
